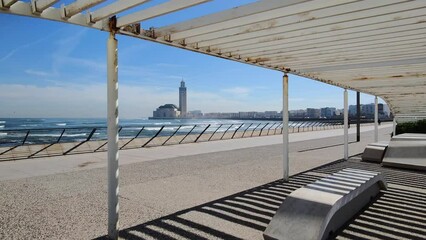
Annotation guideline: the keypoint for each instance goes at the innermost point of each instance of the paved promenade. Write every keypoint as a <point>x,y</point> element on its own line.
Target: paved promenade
<point>65,197</point>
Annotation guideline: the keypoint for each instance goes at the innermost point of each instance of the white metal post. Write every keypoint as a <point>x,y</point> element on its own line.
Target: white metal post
<point>113,172</point>
<point>376,119</point>
<point>394,126</point>
<point>346,123</point>
<point>285,128</point>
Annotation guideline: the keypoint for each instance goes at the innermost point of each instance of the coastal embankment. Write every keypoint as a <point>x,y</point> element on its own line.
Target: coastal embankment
<point>24,143</point>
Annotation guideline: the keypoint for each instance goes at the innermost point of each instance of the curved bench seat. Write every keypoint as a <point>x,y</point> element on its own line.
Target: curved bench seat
<point>320,208</point>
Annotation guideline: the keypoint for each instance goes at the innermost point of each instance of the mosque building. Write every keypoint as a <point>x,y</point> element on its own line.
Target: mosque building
<point>171,110</point>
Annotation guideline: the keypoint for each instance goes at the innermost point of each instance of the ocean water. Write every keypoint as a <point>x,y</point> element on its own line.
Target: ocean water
<point>15,131</point>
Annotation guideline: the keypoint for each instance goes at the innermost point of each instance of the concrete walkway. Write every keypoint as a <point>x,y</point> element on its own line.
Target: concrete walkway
<point>65,197</point>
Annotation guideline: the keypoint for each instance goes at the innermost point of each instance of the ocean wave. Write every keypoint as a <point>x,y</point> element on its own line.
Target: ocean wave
<point>30,125</point>
<point>75,135</point>
<point>44,135</point>
<point>61,124</point>
<point>132,128</point>
<point>152,128</point>
<point>2,121</point>
<point>170,128</point>
<point>3,134</point>
<point>163,123</point>
<point>1,126</point>
<point>186,127</point>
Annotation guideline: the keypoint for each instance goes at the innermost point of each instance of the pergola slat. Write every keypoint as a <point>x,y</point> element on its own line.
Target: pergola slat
<point>7,3</point>
<point>385,49</point>
<point>367,64</point>
<point>25,9</point>
<point>40,5</point>
<point>297,9</point>
<point>114,8</point>
<point>338,27</point>
<point>352,57</point>
<point>330,36</point>
<point>237,12</point>
<point>77,7</point>
<point>158,10</point>
<point>333,15</point>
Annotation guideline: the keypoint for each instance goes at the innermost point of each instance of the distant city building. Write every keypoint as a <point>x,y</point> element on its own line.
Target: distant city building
<point>313,113</point>
<point>272,114</point>
<point>352,110</point>
<point>328,112</point>
<point>301,113</point>
<point>182,99</point>
<point>386,111</point>
<point>367,110</point>
<point>221,115</point>
<point>167,111</point>
<point>195,114</point>
<point>247,114</point>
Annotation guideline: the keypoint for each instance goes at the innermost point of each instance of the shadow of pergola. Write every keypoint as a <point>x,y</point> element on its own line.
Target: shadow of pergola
<point>396,213</point>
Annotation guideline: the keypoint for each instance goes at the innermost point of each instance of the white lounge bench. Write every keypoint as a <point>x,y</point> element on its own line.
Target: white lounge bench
<point>374,152</point>
<point>406,150</point>
<point>319,209</point>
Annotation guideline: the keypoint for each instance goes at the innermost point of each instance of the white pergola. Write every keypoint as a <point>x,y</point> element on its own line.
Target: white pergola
<point>375,47</point>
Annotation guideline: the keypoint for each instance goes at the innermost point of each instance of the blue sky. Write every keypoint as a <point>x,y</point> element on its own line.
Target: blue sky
<point>51,69</point>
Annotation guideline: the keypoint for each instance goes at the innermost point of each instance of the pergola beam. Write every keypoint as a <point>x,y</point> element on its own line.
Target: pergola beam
<point>25,9</point>
<point>318,44</point>
<point>323,18</point>
<point>41,5</point>
<point>7,3</point>
<point>114,8</point>
<point>349,59</point>
<point>291,8</point>
<point>237,12</point>
<point>367,64</point>
<point>158,10</point>
<point>330,50</point>
<point>366,36</point>
<point>77,7</point>
<point>334,29</point>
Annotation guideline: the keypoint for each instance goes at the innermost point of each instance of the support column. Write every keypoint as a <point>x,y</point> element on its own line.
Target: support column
<point>113,172</point>
<point>346,124</point>
<point>285,128</point>
<point>376,119</point>
<point>394,126</point>
<point>358,117</point>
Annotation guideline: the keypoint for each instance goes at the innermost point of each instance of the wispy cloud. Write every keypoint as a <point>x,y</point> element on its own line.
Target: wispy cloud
<point>27,45</point>
<point>239,91</point>
<point>174,65</point>
<point>296,99</point>
<point>39,73</point>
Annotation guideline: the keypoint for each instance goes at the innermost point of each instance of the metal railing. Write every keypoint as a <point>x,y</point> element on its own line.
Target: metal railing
<point>30,143</point>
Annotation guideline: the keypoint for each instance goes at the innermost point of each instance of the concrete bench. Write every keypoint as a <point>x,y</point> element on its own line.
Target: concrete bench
<point>319,209</point>
<point>406,150</point>
<point>374,152</point>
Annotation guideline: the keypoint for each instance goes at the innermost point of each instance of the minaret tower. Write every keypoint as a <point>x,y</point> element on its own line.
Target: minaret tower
<point>182,99</point>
